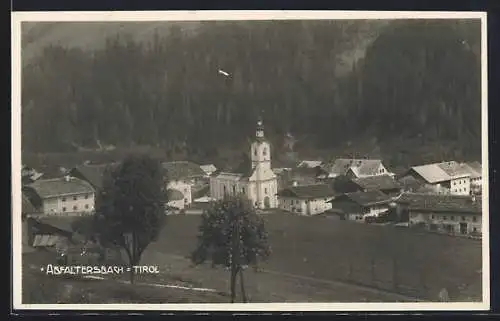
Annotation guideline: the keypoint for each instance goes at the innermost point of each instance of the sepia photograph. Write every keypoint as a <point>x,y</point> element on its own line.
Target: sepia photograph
<point>250,160</point>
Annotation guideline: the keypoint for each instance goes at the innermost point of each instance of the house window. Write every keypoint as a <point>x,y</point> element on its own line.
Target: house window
<point>474,229</point>
<point>75,208</point>
<point>474,219</point>
<point>432,217</point>
<point>463,218</point>
<point>75,198</point>
<point>265,190</point>
<point>445,218</point>
<point>243,190</point>
<point>86,206</point>
<point>452,218</point>
<point>255,152</point>
<point>234,189</point>
<point>64,209</point>
<point>87,196</point>
<point>63,199</point>
<point>264,151</point>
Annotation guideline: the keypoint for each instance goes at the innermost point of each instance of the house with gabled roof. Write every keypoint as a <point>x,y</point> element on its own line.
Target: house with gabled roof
<point>453,214</point>
<point>357,206</point>
<point>384,183</point>
<point>355,168</point>
<point>306,199</point>
<point>208,169</point>
<point>444,178</point>
<point>475,170</point>
<point>61,196</point>
<point>182,176</point>
<point>254,178</point>
<point>92,173</point>
<point>310,164</point>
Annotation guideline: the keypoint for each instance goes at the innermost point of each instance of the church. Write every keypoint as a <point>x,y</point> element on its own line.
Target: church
<point>257,182</point>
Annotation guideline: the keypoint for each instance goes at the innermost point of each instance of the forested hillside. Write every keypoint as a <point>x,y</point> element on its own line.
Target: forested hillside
<point>417,79</point>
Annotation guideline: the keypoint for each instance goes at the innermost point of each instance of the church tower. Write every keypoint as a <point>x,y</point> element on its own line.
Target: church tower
<point>260,149</point>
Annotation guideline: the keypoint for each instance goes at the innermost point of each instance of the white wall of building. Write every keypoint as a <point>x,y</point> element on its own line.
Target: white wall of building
<point>460,186</point>
<point>184,188</point>
<point>304,207</point>
<point>83,203</point>
<point>473,222</point>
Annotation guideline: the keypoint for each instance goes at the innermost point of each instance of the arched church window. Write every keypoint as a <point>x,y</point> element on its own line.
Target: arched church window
<point>234,189</point>
<point>264,151</point>
<point>255,151</point>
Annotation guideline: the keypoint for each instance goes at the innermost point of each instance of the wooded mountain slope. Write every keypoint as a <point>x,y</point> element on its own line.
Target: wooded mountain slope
<point>418,78</point>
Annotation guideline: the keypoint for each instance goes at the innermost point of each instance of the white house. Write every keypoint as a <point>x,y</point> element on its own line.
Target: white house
<point>208,169</point>
<point>476,173</point>
<point>310,163</point>
<point>176,199</point>
<point>61,196</point>
<point>357,206</point>
<point>306,199</point>
<point>181,176</point>
<point>258,182</point>
<point>354,168</point>
<point>453,214</point>
<point>444,178</point>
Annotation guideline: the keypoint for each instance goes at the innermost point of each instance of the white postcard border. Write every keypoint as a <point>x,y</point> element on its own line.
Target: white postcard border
<point>122,16</point>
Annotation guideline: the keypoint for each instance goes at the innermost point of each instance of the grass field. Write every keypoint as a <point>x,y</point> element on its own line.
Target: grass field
<point>396,259</point>
<point>314,259</point>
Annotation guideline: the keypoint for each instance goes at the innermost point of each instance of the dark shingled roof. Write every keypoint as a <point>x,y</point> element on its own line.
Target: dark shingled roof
<point>365,198</point>
<point>62,223</point>
<point>60,186</point>
<point>92,173</point>
<point>179,170</point>
<point>379,182</point>
<point>307,191</point>
<point>362,166</point>
<point>174,194</point>
<point>441,203</point>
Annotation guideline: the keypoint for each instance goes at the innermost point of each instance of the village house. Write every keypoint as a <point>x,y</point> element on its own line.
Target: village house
<point>61,196</point>
<point>92,173</point>
<point>176,199</point>
<point>384,183</point>
<point>476,173</point>
<point>354,168</point>
<point>310,164</point>
<point>29,175</point>
<point>358,206</point>
<point>306,199</point>
<point>257,181</point>
<point>443,178</point>
<point>183,176</point>
<point>208,169</point>
<point>453,214</point>
<point>298,176</point>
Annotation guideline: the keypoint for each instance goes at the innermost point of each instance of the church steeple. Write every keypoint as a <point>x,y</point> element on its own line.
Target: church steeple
<point>260,129</point>
<point>260,149</point>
